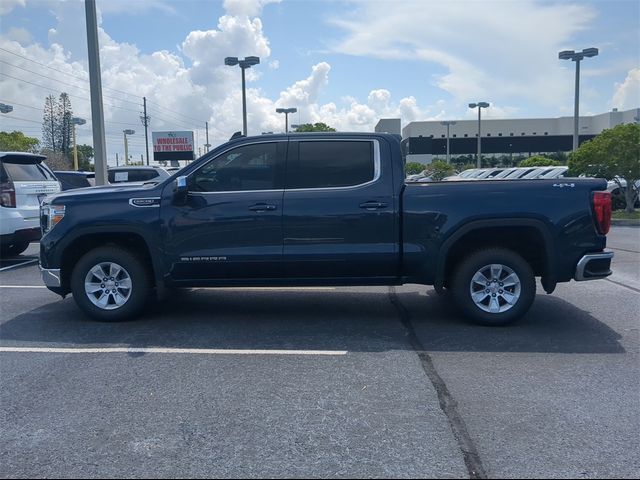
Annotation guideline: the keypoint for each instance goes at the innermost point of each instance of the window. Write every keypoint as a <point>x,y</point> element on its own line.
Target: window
<point>488,134</point>
<point>27,172</point>
<point>454,135</point>
<point>466,135</point>
<point>121,175</point>
<point>511,134</point>
<point>442,136</point>
<point>249,167</point>
<point>500,134</point>
<point>326,164</point>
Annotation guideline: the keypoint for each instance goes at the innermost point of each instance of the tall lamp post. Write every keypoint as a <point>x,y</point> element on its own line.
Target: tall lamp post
<point>126,144</point>
<point>244,64</point>
<point>448,123</point>
<point>577,57</point>
<point>480,106</point>
<point>76,121</point>
<point>286,112</point>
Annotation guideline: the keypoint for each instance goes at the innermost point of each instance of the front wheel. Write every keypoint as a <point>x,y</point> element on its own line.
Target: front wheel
<point>110,284</point>
<point>494,287</point>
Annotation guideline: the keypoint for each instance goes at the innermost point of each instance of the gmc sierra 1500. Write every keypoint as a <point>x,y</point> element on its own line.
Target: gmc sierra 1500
<point>323,209</point>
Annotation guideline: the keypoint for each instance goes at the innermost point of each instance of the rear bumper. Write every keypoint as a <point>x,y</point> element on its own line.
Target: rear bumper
<point>24,235</point>
<point>594,266</point>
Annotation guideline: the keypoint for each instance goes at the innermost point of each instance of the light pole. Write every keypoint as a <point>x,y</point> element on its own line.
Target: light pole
<point>244,64</point>
<point>76,121</point>
<point>577,57</point>
<point>126,144</point>
<point>448,123</point>
<point>480,106</point>
<point>286,112</point>
<point>4,108</point>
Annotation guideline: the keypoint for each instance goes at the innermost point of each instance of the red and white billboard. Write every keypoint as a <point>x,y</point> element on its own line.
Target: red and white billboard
<point>172,145</point>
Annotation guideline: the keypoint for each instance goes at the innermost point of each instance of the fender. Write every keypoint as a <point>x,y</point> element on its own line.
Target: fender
<point>152,246</point>
<point>548,280</point>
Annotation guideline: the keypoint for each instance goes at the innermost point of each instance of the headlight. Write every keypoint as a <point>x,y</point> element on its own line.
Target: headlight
<point>50,216</point>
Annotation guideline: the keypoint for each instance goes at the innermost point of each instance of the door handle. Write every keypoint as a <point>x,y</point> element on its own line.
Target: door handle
<point>262,207</point>
<point>373,205</point>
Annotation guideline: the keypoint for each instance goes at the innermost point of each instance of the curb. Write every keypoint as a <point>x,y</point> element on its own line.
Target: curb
<point>625,222</point>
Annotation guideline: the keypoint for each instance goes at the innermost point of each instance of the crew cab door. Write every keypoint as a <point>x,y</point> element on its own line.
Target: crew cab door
<point>230,226</point>
<point>340,216</point>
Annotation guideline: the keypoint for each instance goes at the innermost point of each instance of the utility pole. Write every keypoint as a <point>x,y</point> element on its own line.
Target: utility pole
<point>207,145</point>
<point>145,121</point>
<point>95,84</point>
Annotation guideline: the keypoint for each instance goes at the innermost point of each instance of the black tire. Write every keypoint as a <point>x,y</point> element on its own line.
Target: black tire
<point>14,249</point>
<point>507,312</point>
<point>136,296</point>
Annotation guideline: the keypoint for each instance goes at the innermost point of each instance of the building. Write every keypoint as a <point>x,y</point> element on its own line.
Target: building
<point>422,141</point>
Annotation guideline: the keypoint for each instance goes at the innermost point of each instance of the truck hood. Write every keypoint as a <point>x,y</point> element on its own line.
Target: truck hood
<point>102,191</point>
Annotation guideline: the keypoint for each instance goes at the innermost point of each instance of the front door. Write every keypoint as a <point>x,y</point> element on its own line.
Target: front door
<point>230,226</point>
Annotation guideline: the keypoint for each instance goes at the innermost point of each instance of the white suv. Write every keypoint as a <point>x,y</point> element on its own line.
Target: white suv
<point>24,182</point>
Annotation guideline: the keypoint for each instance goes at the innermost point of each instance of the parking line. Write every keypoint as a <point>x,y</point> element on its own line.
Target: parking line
<point>22,286</point>
<point>193,351</point>
<point>29,262</point>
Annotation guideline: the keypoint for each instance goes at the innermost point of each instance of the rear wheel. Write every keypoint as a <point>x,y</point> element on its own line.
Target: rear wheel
<point>494,287</point>
<point>110,284</point>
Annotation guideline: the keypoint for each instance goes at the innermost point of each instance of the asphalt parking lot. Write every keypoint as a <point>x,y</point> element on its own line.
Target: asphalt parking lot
<point>323,382</point>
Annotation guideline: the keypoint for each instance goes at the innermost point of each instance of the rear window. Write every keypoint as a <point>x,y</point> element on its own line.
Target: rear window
<point>326,164</point>
<point>26,172</point>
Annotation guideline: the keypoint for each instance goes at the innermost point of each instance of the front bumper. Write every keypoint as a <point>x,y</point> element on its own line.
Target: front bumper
<point>594,266</point>
<point>51,277</point>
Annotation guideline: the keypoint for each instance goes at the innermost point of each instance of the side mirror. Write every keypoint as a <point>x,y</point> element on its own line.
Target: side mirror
<point>180,191</point>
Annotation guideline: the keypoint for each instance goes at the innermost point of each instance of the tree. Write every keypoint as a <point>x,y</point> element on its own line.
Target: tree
<point>56,160</point>
<point>57,125</point>
<point>316,127</point>
<point>18,142</point>
<point>85,158</point>
<point>613,154</point>
<point>413,168</point>
<point>538,161</point>
<point>438,169</point>
<point>49,124</point>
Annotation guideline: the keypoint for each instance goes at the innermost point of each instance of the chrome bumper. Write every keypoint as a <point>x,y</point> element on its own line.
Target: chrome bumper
<point>51,277</point>
<point>594,266</point>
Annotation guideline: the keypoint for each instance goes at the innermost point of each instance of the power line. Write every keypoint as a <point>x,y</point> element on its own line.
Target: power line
<point>60,91</point>
<point>24,119</point>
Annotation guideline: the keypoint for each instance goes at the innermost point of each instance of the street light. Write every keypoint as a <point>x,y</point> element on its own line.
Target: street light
<point>286,112</point>
<point>4,108</point>
<point>244,64</point>
<point>448,123</point>
<point>76,121</point>
<point>126,144</point>
<point>480,106</point>
<point>577,57</point>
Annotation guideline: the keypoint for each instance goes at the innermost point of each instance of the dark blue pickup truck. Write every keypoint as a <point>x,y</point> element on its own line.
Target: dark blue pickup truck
<point>323,209</point>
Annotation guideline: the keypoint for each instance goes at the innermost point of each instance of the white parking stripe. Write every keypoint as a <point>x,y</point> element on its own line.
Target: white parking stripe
<point>22,286</point>
<point>196,351</point>
<point>29,262</point>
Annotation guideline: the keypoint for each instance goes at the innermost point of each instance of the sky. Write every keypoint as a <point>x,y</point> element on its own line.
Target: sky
<point>346,63</point>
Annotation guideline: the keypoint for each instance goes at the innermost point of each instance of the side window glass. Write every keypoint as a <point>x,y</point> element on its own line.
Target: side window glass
<point>249,167</point>
<point>326,164</point>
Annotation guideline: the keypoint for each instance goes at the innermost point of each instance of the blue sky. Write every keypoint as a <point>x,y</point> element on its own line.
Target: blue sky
<point>347,63</point>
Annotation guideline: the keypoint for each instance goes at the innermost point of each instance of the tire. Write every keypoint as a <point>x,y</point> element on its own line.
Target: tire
<point>14,249</point>
<point>123,272</point>
<point>499,303</point>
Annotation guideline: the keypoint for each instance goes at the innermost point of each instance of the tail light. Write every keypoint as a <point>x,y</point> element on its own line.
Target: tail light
<point>602,210</point>
<point>7,195</point>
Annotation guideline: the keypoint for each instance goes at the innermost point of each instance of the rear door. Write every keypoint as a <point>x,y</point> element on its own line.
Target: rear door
<point>339,211</point>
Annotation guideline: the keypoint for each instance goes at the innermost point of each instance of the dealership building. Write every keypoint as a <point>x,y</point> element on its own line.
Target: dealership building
<point>422,141</point>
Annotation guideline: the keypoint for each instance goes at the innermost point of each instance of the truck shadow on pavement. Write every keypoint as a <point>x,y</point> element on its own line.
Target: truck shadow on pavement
<point>314,320</point>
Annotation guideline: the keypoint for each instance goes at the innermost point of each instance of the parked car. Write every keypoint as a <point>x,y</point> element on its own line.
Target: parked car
<point>322,209</point>
<point>70,179</point>
<point>24,181</point>
<point>127,174</point>
<point>617,195</point>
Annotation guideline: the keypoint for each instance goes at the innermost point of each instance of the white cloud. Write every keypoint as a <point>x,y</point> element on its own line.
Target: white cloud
<point>484,49</point>
<point>248,8</point>
<point>274,64</point>
<point>627,94</point>
<point>7,5</point>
